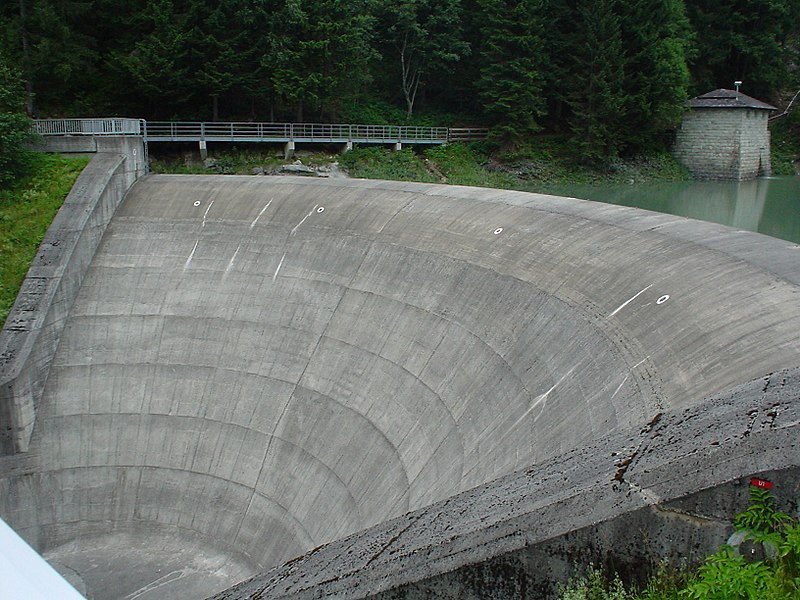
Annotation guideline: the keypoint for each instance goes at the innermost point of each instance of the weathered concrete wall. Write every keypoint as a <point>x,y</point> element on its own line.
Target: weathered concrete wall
<point>668,490</point>
<point>32,331</point>
<point>257,366</point>
<point>724,143</point>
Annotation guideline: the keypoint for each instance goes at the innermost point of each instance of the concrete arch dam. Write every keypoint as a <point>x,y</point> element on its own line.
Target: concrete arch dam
<point>258,366</point>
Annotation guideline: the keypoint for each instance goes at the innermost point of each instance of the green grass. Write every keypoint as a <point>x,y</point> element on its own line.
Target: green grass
<point>545,162</point>
<point>542,164</point>
<point>26,210</point>
<point>233,161</point>
<point>382,163</point>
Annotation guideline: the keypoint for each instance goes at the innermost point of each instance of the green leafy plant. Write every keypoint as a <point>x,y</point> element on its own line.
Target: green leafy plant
<point>762,516</point>
<point>594,586</point>
<point>726,575</point>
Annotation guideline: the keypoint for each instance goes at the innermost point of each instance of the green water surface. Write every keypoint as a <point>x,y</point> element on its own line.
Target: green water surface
<point>769,205</point>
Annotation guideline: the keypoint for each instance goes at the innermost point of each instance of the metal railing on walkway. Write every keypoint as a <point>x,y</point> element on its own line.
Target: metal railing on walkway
<point>105,126</point>
<point>298,132</point>
<point>186,131</point>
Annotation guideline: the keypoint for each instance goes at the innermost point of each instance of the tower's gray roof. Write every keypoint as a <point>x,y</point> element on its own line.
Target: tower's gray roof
<point>728,99</point>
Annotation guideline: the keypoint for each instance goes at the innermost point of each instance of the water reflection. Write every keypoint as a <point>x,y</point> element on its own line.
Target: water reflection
<point>768,205</point>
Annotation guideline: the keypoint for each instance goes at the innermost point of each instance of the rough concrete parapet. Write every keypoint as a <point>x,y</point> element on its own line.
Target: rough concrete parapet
<point>32,330</point>
<point>666,490</point>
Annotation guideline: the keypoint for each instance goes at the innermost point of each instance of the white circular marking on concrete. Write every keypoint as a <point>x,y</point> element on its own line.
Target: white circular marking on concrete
<point>498,231</point>
<point>197,202</point>
<point>663,299</point>
<point>321,209</point>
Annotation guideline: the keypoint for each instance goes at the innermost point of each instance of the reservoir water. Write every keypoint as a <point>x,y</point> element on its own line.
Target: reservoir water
<point>769,205</point>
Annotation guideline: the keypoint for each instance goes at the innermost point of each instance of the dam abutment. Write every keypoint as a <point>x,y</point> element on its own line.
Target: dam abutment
<point>32,330</point>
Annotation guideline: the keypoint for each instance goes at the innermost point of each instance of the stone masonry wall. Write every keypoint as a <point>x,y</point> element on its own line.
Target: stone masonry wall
<point>722,143</point>
<point>755,159</point>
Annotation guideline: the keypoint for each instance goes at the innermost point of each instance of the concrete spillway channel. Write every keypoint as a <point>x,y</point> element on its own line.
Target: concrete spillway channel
<point>258,366</point>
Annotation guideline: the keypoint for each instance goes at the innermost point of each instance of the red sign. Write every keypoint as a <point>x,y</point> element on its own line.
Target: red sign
<point>761,483</point>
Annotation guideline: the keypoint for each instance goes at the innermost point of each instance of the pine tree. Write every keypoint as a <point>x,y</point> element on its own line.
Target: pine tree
<point>595,88</point>
<point>655,35</point>
<point>15,126</point>
<point>754,41</point>
<point>513,59</point>
<point>160,65</point>
<point>319,51</point>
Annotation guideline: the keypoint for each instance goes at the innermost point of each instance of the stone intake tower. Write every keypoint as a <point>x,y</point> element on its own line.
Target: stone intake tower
<point>725,136</point>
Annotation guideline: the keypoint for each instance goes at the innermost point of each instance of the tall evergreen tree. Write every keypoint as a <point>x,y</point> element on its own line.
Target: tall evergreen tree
<point>15,126</point>
<point>160,65</point>
<point>319,51</point>
<point>513,59</point>
<point>225,49</point>
<point>655,36</point>
<point>754,41</point>
<point>595,87</point>
<point>59,63</point>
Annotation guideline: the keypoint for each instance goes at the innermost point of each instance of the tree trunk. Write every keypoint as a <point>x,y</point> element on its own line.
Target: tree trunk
<point>215,107</point>
<point>299,111</point>
<point>410,76</point>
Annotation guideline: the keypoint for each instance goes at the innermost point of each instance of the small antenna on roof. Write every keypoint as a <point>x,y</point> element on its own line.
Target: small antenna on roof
<point>737,84</point>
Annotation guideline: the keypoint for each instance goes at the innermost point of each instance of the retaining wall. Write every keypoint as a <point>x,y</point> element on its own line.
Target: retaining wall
<point>32,330</point>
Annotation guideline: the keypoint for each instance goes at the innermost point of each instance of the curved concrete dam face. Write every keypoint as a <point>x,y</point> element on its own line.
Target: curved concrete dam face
<point>257,366</point>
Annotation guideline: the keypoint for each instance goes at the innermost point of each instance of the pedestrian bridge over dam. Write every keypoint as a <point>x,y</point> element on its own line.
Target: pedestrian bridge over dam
<point>414,377</point>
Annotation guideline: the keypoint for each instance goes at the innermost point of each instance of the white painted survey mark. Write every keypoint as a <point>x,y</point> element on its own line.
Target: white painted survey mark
<point>197,202</point>
<point>266,206</point>
<point>280,264</point>
<point>294,229</point>
<point>498,231</point>
<point>663,299</point>
<point>191,254</point>
<point>205,214</point>
<point>541,399</point>
<point>619,387</point>
<point>166,579</point>
<point>634,297</point>
<point>321,209</point>
<point>233,258</point>
<point>624,379</point>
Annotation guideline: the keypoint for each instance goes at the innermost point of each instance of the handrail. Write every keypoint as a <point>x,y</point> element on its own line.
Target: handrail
<point>104,126</point>
<point>318,132</point>
<point>246,131</point>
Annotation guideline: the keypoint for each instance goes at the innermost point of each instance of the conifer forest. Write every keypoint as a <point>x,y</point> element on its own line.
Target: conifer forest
<point>612,74</point>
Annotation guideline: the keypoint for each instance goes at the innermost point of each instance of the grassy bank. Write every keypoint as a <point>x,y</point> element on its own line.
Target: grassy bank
<point>536,167</point>
<point>26,211</point>
<point>546,162</point>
